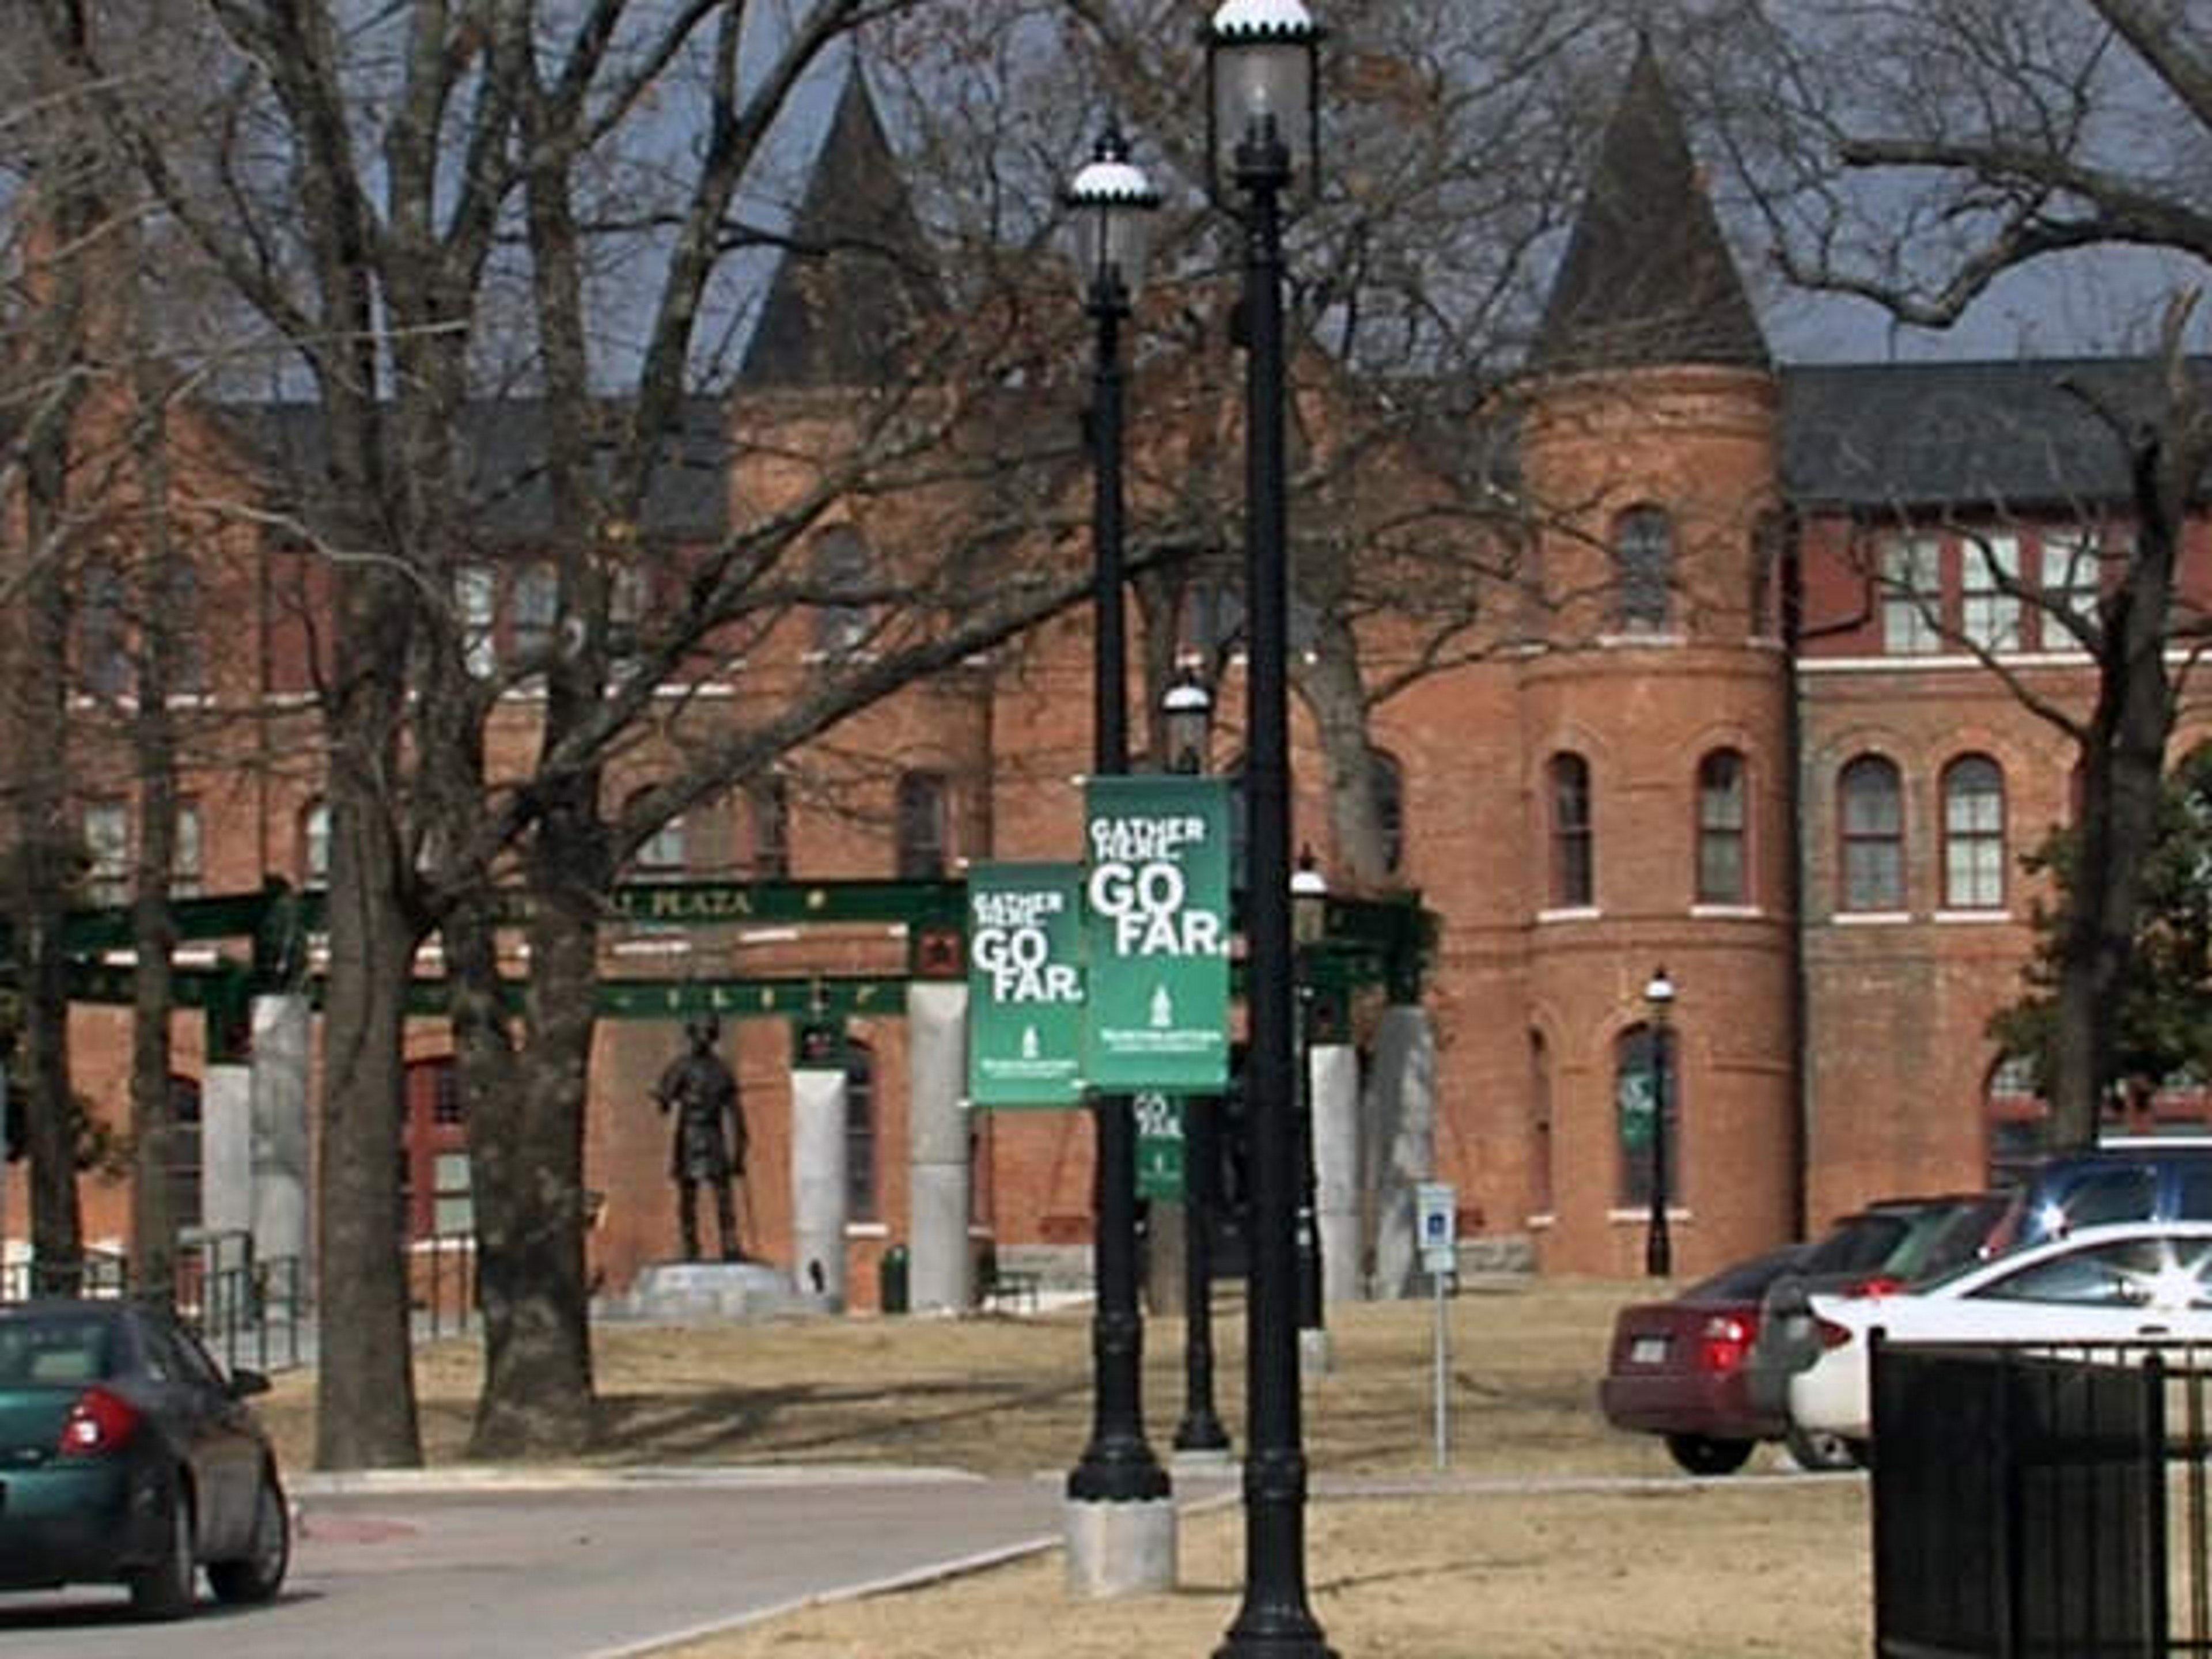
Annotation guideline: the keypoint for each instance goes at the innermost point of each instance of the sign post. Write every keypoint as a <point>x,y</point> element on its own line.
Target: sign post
<point>1025,993</point>
<point>1158,933</point>
<point>1436,1215</point>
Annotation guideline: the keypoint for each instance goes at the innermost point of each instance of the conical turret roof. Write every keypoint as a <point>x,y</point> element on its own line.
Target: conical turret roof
<point>845,299</point>
<point>1648,278</point>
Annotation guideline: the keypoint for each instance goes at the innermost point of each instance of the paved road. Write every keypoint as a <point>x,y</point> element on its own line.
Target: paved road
<point>559,1574</point>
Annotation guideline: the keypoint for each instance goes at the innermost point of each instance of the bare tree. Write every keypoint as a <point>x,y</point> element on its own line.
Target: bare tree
<point>1948,145</point>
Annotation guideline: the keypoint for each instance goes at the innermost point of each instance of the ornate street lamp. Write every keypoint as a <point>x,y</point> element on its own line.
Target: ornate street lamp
<point>1187,713</point>
<point>1263,139</point>
<point>1109,204</point>
<point>1658,1250</point>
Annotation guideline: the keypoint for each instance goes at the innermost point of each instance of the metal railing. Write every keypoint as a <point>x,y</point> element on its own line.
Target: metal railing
<point>2042,1502</point>
<point>247,1312</point>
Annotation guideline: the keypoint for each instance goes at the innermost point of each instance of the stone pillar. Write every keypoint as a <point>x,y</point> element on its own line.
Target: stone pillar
<point>1402,1118</point>
<point>281,1025</point>
<point>938,1199</point>
<point>1333,1082</point>
<point>817,1182</point>
<point>226,1149</point>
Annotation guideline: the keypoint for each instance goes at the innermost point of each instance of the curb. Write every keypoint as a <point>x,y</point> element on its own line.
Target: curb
<point>463,1478</point>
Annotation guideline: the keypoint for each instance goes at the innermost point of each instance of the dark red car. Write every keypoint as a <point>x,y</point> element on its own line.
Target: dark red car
<point>1677,1367</point>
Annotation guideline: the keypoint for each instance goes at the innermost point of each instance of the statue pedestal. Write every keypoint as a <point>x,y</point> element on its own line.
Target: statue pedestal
<point>695,1292</point>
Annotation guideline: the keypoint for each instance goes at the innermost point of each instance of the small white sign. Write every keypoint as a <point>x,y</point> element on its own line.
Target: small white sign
<point>1436,1214</point>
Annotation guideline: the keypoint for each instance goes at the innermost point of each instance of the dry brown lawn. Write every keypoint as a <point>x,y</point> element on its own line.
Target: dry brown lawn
<point>1754,1566</point>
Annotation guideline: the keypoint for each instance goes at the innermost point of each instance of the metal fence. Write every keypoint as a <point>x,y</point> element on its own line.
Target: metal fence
<point>247,1312</point>
<point>2041,1503</point>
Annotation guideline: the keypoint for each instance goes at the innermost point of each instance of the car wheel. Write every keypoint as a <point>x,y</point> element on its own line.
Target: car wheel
<point>1819,1449</point>
<point>1701,1453</point>
<point>164,1589</point>
<point>259,1574</point>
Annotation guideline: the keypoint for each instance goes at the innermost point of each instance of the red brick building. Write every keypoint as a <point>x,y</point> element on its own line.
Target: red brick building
<point>1740,726</point>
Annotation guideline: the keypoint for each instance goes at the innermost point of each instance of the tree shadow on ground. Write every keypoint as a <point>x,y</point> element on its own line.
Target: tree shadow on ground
<point>908,1422</point>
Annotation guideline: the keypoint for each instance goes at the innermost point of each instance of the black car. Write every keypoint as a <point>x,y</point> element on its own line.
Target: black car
<point>127,1456</point>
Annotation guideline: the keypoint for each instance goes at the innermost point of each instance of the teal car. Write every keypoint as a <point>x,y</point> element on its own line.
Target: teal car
<point>126,1456</point>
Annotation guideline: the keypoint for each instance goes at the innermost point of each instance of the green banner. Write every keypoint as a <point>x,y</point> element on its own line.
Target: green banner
<point>1157,920</point>
<point>1159,1146</point>
<point>1025,985</point>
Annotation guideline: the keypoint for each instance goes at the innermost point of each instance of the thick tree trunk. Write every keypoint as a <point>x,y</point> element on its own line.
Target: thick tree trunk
<point>365,1383</point>
<point>538,1399</point>
<point>49,868</point>
<point>2123,770</point>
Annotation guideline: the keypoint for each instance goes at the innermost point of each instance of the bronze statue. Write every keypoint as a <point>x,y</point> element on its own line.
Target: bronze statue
<point>703,1094</point>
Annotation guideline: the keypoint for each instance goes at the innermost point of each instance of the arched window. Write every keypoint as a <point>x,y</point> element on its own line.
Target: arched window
<point>315,844</point>
<point>1721,822</point>
<point>1574,883</point>
<point>1870,813</point>
<point>103,638</point>
<point>921,827</point>
<point>662,856</point>
<point>840,567</point>
<point>1644,566</point>
<point>1646,1094</point>
<point>107,848</point>
<point>1390,784</point>
<point>188,857</point>
<point>768,803</point>
<point>1974,835</point>
<point>861,1203</point>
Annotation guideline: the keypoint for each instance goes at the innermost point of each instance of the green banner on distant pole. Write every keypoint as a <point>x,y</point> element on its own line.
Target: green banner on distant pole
<point>1159,1146</point>
<point>1025,985</point>
<point>1157,920</point>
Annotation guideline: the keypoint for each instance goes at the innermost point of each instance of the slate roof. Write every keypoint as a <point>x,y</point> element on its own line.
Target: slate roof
<point>1886,435</point>
<point>503,442</point>
<point>844,319</point>
<point>1648,278</point>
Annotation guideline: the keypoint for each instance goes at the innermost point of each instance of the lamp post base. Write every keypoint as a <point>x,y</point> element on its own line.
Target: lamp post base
<point>1116,1549</point>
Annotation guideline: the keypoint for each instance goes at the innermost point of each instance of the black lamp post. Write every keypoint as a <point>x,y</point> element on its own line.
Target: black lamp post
<point>1308,924</point>
<point>1261,60</point>
<point>1109,203</point>
<point>1187,710</point>
<point>1658,1248</point>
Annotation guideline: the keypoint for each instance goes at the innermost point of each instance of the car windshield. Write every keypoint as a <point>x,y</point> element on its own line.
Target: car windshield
<point>1858,1243</point>
<point>60,1348</point>
<point>1745,1280</point>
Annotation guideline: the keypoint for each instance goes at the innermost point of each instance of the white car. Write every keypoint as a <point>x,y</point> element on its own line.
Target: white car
<point>2127,1283</point>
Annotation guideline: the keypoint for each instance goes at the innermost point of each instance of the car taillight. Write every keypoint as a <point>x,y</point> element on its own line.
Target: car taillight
<point>1833,1335</point>
<point>98,1422</point>
<point>1880,1285</point>
<point>1725,1341</point>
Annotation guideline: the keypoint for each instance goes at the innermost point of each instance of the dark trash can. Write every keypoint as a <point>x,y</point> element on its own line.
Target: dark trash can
<point>890,1280</point>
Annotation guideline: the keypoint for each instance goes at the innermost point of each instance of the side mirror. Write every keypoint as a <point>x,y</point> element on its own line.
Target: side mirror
<point>246,1382</point>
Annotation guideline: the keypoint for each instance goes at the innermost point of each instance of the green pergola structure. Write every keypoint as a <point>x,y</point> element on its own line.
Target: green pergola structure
<point>1362,943</point>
